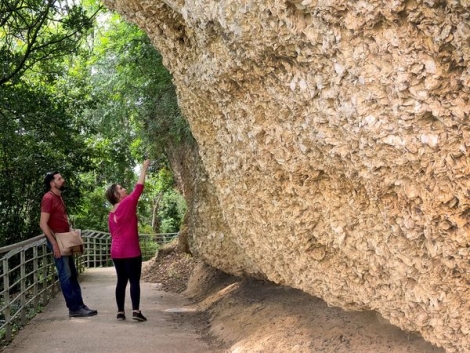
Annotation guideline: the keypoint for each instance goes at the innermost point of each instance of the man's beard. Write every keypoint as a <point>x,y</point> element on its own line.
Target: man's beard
<point>62,188</point>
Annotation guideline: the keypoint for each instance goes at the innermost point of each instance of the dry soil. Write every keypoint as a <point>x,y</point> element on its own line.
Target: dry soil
<point>246,315</point>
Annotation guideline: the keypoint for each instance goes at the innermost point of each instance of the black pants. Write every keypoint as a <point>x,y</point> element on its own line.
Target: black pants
<point>128,270</point>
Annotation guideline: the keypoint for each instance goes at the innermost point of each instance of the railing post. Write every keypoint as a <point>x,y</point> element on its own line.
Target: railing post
<point>87,254</point>
<point>109,261</point>
<point>45,281</point>
<point>49,273</point>
<point>95,255</point>
<point>6,298</point>
<point>23,287</point>
<point>86,249</point>
<point>35,278</point>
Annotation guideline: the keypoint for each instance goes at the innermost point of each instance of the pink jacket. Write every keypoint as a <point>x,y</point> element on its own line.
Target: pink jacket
<point>122,225</point>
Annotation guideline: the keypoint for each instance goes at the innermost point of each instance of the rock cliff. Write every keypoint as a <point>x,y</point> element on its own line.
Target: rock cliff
<point>333,137</point>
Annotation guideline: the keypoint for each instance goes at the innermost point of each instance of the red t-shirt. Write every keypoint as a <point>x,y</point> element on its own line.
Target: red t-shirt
<point>122,225</point>
<point>54,205</point>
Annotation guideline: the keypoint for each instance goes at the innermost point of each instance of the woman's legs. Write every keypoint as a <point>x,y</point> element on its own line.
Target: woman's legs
<point>122,278</point>
<point>128,270</point>
<point>134,268</point>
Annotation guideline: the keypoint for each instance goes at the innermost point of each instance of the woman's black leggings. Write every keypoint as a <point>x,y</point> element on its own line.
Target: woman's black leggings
<point>128,270</point>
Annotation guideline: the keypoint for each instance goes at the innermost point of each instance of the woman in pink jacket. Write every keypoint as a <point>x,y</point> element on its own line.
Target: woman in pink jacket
<point>125,248</point>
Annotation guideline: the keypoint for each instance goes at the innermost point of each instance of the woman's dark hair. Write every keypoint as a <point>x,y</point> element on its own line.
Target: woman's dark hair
<point>111,194</point>
<point>47,180</point>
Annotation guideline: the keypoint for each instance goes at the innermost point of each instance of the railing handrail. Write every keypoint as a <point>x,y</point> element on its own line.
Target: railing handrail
<point>8,248</point>
<point>23,243</point>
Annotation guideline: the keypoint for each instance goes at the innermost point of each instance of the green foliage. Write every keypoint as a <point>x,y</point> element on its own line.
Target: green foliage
<point>93,210</point>
<point>88,104</point>
<point>159,204</point>
<point>40,132</point>
<point>148,247</point>
<point>134,90</point>
<point>129,89</point>
<point>171,212</point>
<point>37,137</point>
<point>36,35</point>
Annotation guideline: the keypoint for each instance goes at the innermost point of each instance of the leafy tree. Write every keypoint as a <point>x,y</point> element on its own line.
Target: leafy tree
<point>131,89</point>
<point>92,212</point>
<point>86,104</point>
<point>37,34</point>
<point>40,132</point>
<point>171,212</point>
<point>163,204</point>
<point>37,137</point>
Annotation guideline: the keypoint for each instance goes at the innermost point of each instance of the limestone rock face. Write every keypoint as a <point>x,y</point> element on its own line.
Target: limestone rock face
<point>333,137</point>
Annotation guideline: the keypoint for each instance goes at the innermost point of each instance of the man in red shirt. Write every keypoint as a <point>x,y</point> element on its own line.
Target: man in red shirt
<point>54,219</point>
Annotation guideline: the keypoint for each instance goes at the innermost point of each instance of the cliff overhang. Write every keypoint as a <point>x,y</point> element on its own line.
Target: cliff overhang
<point>332,147</point>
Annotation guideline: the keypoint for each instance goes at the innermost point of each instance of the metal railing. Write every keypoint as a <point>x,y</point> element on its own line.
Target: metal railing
<point>28,277</point>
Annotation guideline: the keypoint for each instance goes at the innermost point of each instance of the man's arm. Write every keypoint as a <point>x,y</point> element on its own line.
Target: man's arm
<point>48,233</point>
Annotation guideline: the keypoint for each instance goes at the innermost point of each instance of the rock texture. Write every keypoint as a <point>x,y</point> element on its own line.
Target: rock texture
<point>334,143</point>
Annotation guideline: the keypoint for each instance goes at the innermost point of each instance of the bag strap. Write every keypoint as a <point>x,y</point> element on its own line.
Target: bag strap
<point>65,208</point>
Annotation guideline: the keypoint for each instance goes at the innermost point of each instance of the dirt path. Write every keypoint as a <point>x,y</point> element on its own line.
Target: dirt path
<point>249,316</point>
<point>165,331</point>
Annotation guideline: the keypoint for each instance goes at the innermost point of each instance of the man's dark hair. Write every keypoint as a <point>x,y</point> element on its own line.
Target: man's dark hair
<point>47,180</point>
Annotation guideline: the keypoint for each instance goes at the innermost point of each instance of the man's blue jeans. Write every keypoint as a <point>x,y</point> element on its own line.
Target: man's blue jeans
<point>68,278</point>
